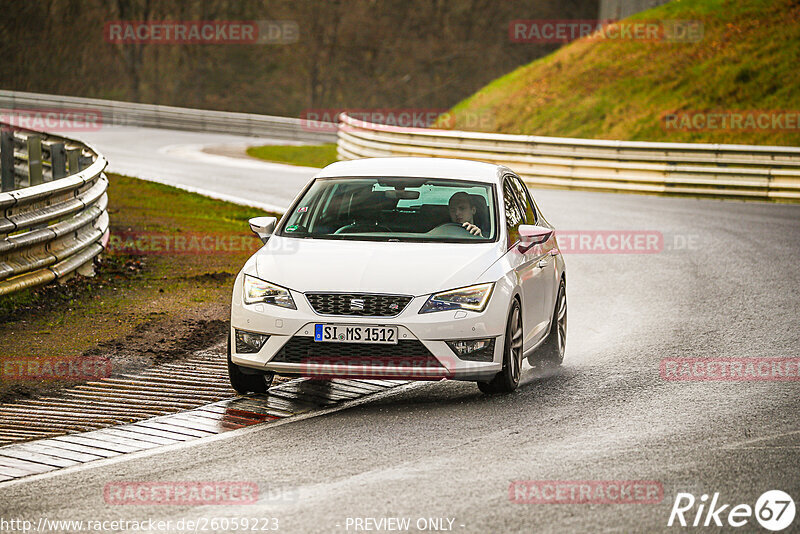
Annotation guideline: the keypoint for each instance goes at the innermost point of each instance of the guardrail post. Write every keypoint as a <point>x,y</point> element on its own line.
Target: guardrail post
<point>7,160</point>
<point>58,160</point>
<point>72,160</point>
<point>34,160</point>
<point>84,161</point>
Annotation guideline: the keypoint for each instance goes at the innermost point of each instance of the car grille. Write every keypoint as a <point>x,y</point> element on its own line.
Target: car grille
<point>365,305</point>
<point>408,353</point>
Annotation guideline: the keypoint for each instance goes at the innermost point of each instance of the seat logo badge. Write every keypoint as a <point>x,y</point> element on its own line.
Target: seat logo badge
<point>356,304</point>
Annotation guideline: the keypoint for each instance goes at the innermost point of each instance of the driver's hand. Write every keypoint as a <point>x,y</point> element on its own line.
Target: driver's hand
<point>471,228</point>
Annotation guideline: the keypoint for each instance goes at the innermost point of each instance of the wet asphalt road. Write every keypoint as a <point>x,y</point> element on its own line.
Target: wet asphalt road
<point>177,158</point>
<point>443,450</point>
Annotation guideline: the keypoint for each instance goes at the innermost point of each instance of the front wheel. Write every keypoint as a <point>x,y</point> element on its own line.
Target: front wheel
<point>245,380</point>
<point>507,380</point>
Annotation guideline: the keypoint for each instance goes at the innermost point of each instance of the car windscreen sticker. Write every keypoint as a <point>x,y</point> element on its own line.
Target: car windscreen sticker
<point>291,228</point>
<point>302,209</point>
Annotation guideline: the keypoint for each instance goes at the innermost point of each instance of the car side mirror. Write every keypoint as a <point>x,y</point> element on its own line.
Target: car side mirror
<point>263,227</point>
<point>530,235</point>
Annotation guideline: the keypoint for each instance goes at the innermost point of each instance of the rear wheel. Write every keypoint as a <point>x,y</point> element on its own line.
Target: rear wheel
<point>552,351</point>
<point>507,380</point>
<point>245,380</point>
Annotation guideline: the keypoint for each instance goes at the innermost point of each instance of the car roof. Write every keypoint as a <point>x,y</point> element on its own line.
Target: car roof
<point>455,169</point>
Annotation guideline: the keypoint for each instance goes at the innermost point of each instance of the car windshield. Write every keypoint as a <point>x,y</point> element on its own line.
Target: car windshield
<point>394,209</point>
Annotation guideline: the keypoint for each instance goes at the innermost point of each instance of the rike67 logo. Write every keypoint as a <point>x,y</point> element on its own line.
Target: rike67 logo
<point>774,510</point>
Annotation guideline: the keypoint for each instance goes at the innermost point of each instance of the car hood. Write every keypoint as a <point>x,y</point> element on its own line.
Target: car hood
<point>372,267</point>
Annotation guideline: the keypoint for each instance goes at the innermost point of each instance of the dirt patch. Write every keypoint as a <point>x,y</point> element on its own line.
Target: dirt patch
<point>213,277</point>
<point>157,340</point>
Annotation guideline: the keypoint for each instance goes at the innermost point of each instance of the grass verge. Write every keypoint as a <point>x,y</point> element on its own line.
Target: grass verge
<point>304,155</point>
<point>162,290</point>
<point>746,60</point>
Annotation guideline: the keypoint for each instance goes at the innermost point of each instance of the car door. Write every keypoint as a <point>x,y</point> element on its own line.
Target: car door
<point>547,260</point>
<point>525,264</point>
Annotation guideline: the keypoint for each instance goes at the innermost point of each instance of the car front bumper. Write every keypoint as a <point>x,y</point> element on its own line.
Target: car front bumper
<point>420,354</point>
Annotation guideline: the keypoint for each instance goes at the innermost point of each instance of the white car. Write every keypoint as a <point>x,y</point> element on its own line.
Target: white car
<point>401,268</point>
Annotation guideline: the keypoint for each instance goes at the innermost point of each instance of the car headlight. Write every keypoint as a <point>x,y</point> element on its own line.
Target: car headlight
<point>472,298</point>
<point>257,290</point>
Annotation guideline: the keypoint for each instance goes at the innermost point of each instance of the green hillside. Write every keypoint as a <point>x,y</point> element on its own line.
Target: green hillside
<point>748,59</point>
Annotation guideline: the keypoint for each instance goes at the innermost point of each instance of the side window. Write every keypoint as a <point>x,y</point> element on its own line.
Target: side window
<point>515,215</point>
<point>525,197</point>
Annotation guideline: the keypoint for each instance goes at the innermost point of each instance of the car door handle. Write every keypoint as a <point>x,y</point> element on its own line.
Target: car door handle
<point>542,264</point>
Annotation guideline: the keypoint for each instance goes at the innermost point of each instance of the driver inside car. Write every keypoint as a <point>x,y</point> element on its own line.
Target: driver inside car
<point>462,212</point>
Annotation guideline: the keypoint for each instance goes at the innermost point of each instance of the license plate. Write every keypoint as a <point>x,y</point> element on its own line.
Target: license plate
<point>337,333</point>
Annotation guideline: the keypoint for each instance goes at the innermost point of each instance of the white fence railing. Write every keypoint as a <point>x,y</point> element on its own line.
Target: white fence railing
<point>112,112</point>
<point>53,217</point>
<point>730,171</point>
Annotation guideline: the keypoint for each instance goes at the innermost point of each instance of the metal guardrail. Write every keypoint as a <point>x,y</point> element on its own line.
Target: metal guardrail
<point>53,217</point>
<point>112,112</point>
<point>730,171</point>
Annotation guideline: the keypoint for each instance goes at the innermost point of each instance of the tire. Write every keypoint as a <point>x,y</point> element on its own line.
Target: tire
<point>552,351</point>
<point>507,379</point>
<point>246,380</point>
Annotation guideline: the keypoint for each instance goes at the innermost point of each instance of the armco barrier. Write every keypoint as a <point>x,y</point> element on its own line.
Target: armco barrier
<point>53,218</point>
<point>728,171</point>
<point>117,113</point>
